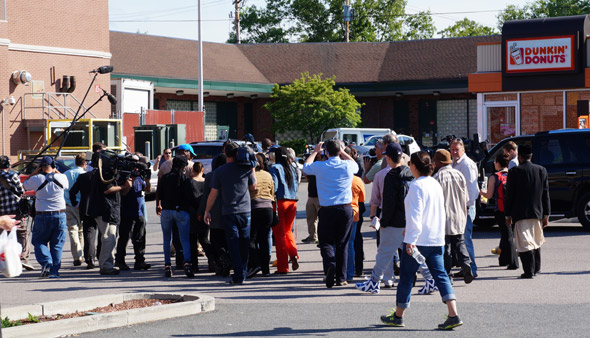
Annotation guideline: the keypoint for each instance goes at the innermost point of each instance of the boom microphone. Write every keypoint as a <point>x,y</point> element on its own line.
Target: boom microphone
<point>111,97</point>
<point>102,70</point>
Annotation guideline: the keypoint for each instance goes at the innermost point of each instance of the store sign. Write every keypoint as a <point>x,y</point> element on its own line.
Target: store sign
<point>546,54</point>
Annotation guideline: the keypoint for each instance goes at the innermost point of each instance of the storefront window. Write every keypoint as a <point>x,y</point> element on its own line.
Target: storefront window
<point>501,123</point>
<point>541,112</point>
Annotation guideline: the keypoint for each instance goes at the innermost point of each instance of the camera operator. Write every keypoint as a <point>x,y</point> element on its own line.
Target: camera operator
<point>50,215</point>
<point>133,223</point>
<point>11,191</point>
<point>105,206</point>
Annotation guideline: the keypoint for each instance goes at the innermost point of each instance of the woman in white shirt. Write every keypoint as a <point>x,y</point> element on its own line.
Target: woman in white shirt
<point>425,232</point>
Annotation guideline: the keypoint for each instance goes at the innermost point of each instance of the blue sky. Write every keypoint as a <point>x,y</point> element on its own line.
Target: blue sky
<point>177,18</point>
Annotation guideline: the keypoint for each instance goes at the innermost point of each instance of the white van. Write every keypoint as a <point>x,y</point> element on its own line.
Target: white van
<point>357,135</point>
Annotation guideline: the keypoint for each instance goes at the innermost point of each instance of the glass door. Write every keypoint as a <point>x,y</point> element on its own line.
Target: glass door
<point>500,122</point>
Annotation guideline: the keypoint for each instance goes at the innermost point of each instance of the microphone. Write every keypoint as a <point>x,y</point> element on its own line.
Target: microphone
<point>112,99</point>
<point>102,70</point>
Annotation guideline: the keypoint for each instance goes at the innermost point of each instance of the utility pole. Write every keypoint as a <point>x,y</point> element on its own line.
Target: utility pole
<point>347,19</point>
<point>237,20</point>
<point>200,75</point>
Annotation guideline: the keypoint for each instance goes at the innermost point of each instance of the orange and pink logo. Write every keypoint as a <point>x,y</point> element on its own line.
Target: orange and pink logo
<point>554,53</point>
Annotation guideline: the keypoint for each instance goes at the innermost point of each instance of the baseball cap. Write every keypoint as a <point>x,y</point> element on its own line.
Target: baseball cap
<point>443,156</point>
<point>393,150</point>
<point>187,147</point>
<point>46,160</point>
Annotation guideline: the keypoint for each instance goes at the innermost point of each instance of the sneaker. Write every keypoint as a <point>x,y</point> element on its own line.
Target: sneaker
<point>45,270</point>
<point>111,272</point>
<point>231,281</point>
<point>388,284</point>
<point>53,276</point>
<point>253,271</point>
<point>368,286</point>
<point>392,320</point>
<point>90,265</point>
<point>330,276</point>
<point>294,263</point>
<point>307,240</point>
<point>467,275</point>
<point>168,271</point>
<point>122,266</point>
<point>77,262</point>
<point>450,323</point>
<point>345,283</point>
<point>27,266</point>
<point>428,287</point>
<point>141,266</point>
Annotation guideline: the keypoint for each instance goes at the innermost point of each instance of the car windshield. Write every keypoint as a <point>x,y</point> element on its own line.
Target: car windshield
<point>372,141</point>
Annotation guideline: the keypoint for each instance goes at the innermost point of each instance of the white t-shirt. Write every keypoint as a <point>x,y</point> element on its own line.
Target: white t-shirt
<point>51,197</point>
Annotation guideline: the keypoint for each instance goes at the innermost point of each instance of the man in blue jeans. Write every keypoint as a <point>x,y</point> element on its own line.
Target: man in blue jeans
<point>50,225</point>
<point>233,181</point>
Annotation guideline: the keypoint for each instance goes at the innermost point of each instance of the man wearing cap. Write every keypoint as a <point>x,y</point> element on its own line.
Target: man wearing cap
<point>455,193</point>
<point>396,178</point>
<point>334,179</point>
<point>468,168</point>
<point>75,229</point>
<point>233,181</point>
<point>527,205</point>
<point>50,227</point>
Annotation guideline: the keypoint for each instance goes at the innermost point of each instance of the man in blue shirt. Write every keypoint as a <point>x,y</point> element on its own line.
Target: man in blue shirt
<point>73,212</point>
<point>334,182</point>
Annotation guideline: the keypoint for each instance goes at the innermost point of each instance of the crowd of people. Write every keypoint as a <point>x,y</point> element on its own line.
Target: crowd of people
<point>421,207</point>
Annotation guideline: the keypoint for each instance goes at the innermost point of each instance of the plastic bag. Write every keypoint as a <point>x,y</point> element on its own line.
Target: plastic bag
<point>10,250</point>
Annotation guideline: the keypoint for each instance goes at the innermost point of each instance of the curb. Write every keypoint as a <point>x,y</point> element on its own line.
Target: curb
<point>191,304</point>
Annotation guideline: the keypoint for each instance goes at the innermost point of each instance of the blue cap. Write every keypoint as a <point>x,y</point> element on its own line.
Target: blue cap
<point>46,160</point>
<point>393,150</point>
<point>187,147</point>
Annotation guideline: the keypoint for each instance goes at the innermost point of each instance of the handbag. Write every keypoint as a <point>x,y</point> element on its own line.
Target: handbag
<point>275,214</point>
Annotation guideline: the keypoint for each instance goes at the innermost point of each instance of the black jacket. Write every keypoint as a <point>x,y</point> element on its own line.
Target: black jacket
<point>527,192</point>
<point>395,189</point>
<point>82,185</point>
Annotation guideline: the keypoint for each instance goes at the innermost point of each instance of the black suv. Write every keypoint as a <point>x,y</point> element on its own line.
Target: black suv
<point>565,153</point>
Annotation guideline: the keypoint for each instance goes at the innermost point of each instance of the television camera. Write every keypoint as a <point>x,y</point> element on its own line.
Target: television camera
<point>113,166</point>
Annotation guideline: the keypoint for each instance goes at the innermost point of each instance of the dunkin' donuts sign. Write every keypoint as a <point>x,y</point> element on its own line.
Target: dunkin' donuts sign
<point>546,54</point>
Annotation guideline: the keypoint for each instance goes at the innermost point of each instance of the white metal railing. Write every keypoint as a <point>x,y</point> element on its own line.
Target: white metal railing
<point>52,105</point>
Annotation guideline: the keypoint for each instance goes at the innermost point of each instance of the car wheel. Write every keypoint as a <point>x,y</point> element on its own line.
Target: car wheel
<point>583,211</point>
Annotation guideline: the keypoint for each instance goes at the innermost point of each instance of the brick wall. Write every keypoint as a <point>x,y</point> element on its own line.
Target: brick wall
<point>572,108</point>
<point>80,25</point>
<point>540,112</point>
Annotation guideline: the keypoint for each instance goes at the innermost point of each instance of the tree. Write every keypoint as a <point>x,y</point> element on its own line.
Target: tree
<point>311,105</point>
<point>466,27</point>
<point>323,21</point>
<point>543,9</point>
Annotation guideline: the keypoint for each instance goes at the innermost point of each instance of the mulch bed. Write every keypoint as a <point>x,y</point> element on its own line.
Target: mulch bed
<point>126,305</point>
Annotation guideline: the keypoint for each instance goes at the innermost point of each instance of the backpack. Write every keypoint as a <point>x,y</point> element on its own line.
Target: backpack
<point>500,187</point>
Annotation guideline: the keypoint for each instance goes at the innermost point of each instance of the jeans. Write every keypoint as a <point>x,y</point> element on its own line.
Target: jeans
<point>52,229</point>
<point>351,258</point>
<point>182,220</point>
<point>237,233</point>
<point>469,240</point>
<point>408,268</point>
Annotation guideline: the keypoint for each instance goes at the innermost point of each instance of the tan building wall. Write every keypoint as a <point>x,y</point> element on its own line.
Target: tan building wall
<point>50,39</point>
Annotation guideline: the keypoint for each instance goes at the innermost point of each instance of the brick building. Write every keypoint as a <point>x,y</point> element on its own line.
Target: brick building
<point>535,77</point>
<point>40,43</point>
<point>414,87</point>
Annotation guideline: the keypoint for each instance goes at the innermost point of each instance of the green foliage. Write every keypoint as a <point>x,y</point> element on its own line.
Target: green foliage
<point>33,319</point>
<point>311,105</point>
<point>466,27</point>
<point>543,9</point>
<point>8,323</point>
<point>298,144</point>
<point>323,21</point>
